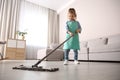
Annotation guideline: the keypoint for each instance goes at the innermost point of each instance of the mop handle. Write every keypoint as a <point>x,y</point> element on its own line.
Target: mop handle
<point>35,65</point>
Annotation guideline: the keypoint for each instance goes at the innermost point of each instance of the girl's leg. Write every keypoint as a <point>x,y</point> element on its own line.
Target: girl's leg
<point>75,54</point>
<point>66,54</point>
<point>76,57</point>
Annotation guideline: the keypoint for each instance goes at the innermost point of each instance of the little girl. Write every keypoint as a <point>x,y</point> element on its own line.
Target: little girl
<point>73,28</point>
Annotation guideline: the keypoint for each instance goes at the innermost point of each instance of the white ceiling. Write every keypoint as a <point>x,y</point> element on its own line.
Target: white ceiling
<point>57,5</point>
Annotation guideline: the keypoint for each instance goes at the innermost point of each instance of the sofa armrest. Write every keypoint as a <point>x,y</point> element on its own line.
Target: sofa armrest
<point>57,55</point>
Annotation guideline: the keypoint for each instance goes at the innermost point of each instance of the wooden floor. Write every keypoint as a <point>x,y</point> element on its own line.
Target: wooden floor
<point>83,71</point>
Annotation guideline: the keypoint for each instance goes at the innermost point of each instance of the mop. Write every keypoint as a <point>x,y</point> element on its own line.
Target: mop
<point>35,67</point>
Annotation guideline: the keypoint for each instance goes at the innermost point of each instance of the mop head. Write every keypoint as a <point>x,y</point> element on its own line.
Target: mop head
<point>40,68</point>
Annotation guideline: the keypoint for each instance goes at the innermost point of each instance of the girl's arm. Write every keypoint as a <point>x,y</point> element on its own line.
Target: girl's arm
<point>68,31</point>
<point>79,28</point>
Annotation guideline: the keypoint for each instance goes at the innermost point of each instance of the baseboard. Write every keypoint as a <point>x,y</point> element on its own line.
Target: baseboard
<point>97,61</point>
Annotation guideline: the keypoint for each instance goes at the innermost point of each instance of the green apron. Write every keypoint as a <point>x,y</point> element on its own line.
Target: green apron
<point>72,43</point>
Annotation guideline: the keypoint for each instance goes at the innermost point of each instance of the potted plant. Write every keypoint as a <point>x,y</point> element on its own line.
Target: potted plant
<point>22,34</point>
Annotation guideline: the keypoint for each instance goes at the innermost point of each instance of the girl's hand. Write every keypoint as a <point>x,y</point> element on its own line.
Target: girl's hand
<point>71,34</point>
<point>78,31</point>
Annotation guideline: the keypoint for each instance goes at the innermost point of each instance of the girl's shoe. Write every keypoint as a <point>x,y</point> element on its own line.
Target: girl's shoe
<point>65,62</point>
<point>76,62</point>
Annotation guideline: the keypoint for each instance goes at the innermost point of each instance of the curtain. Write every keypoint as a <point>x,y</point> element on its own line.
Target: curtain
<point>9,15</point>
<point>53,27</point>
<point>34,20</point>
<point>40,23</point>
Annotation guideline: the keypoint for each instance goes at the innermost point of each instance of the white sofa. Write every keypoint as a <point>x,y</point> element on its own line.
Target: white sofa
<point>59,53</point>
<point>99,49</point>
<point>105,48</point>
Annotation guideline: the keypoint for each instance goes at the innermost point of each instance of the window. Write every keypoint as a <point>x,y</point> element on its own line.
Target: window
<point>34,20</point>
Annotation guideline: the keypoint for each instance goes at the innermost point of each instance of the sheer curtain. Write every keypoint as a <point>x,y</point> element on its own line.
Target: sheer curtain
<point>53,27</point>
<point>34,20</point>
<point>9,16</point>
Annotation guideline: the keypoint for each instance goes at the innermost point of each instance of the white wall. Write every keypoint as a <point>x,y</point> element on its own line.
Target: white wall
<point>98,18</point>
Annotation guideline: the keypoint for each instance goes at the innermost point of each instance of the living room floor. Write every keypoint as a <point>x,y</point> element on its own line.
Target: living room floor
<point>83,71</point>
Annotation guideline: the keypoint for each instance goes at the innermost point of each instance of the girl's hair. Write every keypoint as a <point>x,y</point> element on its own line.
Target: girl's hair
<point>72,11</point>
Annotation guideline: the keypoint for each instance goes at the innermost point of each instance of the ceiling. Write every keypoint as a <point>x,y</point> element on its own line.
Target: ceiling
<point>57,5</point>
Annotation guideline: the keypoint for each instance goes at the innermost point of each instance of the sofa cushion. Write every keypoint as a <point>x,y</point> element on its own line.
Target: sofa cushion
<point>57,55</point>
<point>115,39</point>
<point>84,50</point>
<point>83,44</point>
<point>105,48</point>
<point>97,42</point>
<point>54,45</point>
